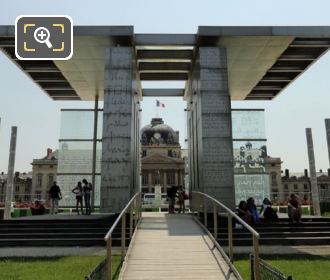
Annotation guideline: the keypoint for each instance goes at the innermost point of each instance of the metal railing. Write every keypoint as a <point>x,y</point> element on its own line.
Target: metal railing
<point>133,204</point>
<point>230,216</point>
<point>267,271</point>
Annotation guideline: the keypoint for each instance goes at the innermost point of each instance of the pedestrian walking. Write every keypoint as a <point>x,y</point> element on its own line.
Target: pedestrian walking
<point>55,196</point>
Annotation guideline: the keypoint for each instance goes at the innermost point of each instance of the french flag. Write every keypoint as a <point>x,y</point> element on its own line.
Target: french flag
<point>159,104</point>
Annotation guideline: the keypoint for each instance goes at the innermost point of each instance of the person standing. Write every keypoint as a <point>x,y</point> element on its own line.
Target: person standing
<point>87,188</point>
<point>78,191</point>
<point>181,197</point>
<point>55,196</point>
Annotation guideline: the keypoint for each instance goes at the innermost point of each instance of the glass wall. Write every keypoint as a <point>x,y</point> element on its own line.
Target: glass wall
<point>75,155</point>
<point>250,152</point>
<point>76,152</point>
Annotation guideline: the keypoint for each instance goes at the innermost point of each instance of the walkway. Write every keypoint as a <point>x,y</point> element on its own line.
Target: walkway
<point>173,247</point>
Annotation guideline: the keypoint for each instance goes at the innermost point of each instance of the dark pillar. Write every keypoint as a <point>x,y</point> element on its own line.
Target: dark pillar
<point>10,174</point>
<point>209,123</point>
<point>120,142</point>
<point>96,115</point>
<point>312,171</point>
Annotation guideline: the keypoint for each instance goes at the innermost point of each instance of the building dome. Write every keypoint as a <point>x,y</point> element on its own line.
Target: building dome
<point>158,133</point>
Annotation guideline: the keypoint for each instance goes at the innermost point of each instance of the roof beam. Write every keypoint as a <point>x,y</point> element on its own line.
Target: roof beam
<point>164,54</point>
<point>165,39</point>
<point>163,92</point>
<point>163,76</point>
<point>160,66</point>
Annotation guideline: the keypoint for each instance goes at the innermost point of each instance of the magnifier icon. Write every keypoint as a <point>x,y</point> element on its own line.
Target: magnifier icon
<point>41,35</point>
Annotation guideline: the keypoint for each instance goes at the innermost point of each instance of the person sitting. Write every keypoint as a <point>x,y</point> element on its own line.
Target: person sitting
<point>294,209</point>
<point>252,208</point>
<point>268,212</point>
<point>38,208</point>
<point>243,212</point>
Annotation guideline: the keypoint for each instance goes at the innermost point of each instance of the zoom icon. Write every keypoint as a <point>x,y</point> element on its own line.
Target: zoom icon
<point>43,37</point>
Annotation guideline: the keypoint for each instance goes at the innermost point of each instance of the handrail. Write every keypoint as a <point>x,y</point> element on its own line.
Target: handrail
<point>109,233</point>
<point>122,216</point>
<point>232,214</point>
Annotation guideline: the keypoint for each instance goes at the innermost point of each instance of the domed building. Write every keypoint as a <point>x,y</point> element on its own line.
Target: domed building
<point>162,163</point>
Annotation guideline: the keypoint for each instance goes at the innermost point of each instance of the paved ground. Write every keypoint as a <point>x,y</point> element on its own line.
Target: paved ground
<point>173,247</point>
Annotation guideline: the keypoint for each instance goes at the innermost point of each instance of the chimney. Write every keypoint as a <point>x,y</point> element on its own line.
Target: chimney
<point>287,173</point>
<point>49,152</point>
<point>320,170</point>
<point>329,172</point>
<point>306,173</point>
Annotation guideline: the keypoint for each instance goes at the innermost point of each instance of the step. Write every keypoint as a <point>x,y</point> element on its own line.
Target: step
<point>294,241</point>
<point>37,242</point>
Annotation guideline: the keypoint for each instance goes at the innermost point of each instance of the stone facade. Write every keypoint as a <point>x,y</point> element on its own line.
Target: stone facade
<point>162,162</point>
<point>22,187</point>
<point>44,172</point>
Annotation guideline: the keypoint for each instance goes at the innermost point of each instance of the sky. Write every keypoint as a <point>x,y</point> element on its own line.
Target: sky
<point>305,103</point>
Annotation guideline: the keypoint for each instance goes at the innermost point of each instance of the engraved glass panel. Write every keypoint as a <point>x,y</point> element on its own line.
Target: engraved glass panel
<point>249,156</point>
<point>76,157</point>
<point>248,124</point>
<point>251,185</point>
<point>80,125</point>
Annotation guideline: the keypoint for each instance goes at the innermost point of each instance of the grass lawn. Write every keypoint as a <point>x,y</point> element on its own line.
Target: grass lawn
<point>300,267</point>
<point>326,214</point>
<point>59,268</point>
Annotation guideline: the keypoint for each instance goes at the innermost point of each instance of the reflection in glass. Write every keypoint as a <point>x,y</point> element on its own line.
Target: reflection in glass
<point>249,156</point>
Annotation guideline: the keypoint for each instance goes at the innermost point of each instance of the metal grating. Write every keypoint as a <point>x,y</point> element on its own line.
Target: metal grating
<point>44,72</point>
<point>300,54</point>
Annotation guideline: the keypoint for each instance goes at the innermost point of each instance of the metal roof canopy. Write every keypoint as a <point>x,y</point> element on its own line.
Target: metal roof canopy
<point>262,60</point>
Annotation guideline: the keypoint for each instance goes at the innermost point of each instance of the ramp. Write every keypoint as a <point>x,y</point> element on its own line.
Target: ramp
<point>173,246</point>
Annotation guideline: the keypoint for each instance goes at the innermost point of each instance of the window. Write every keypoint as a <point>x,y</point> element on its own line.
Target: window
<point>170,177</point>
<point>274,177</point>
<point>17,188</point>
<point>305,187</point>
<point>145,178</point>
<point>50,179</point>
<point>144,153</point>
<point>39,180</point>
<point>26,198</point>
<point>286,187</point>
<point>50,166</point>
<point>27,189</point>
<point>169,153</point>
<point>295,186</point>
<point>157,178</point>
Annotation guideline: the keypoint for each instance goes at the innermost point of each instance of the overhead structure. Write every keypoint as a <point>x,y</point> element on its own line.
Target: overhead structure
<point>262,61</point>
<point>216,65</point>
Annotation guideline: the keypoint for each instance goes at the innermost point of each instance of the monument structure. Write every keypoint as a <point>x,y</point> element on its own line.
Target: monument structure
<point>219,64</point>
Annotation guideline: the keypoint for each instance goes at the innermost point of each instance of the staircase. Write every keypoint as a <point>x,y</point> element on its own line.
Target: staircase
<point>312,231</point>
<point>57,231</point>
